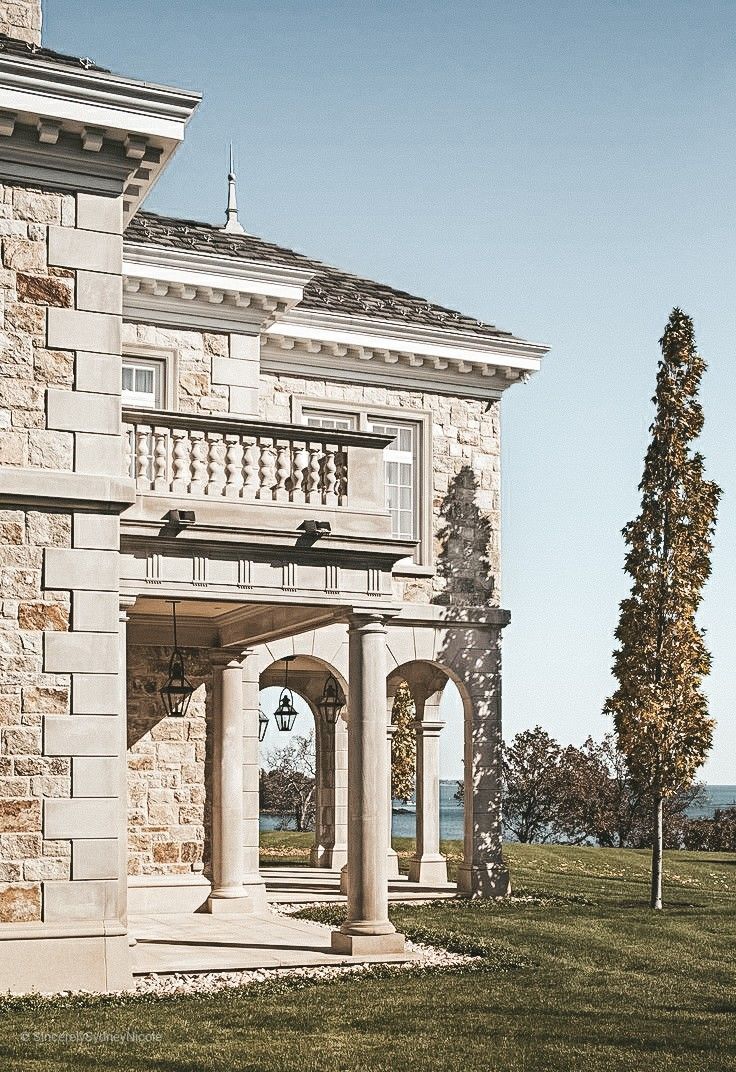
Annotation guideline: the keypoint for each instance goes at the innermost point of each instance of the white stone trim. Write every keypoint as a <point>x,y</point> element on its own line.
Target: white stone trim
<point>144,123</point>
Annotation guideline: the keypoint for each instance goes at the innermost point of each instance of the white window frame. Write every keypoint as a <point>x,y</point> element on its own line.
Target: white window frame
<point>364,415</point>
<point>166,363</point>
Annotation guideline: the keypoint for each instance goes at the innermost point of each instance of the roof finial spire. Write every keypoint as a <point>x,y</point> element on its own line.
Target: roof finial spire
<point>232,223</point>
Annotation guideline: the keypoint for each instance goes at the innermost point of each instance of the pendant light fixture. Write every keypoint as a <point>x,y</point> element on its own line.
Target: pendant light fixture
<point>331,702</point>
<point>177,692</point>
<point>285,714</point>
<point>262,723</point>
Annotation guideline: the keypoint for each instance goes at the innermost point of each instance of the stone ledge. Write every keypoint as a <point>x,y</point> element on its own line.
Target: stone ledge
<point>13,932</point>
<point>51,487</point>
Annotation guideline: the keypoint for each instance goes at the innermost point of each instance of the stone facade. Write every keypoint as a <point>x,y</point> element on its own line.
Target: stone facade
<point>58,254</point>
<point>21,19</point>
<point>465,455</point>
<point>27,366</point>
<point>169,776</point>
<point>27,694</point>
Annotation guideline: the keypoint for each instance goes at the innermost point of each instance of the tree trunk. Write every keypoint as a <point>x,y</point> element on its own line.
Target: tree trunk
<point>656,898</point>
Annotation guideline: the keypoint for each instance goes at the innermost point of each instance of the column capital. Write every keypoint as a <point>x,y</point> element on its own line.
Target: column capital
<point>426,728</point>
<point>370,620</point>
<point>225,657</point>
<point>124,604</point>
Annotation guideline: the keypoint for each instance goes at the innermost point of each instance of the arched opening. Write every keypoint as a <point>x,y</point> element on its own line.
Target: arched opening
<point>304,768</point>
<point>434,810</point>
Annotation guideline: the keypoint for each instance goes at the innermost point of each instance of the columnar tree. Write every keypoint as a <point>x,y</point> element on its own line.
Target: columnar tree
<point>659,710</point>
<point>403,746</point>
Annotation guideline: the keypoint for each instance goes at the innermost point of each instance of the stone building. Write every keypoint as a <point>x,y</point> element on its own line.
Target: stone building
<point>307,461</point>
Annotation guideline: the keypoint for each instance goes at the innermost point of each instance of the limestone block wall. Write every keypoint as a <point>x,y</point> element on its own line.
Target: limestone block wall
<point>169,767</point>
<point>215,373</point>
<point>60,724</point>
<point>27,694</point>
<point>21,19</point>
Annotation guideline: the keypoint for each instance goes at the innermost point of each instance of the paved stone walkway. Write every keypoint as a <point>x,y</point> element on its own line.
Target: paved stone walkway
<point>199,942</point>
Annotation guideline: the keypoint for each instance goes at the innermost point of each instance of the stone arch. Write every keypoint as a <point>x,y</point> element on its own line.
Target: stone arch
<point>315,656</point>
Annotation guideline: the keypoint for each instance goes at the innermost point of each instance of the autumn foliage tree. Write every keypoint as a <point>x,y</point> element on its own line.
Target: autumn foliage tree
<point>659,710</point>
<point>403,746</point>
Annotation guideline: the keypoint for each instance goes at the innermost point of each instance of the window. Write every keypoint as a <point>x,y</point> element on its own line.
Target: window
<point>407,460</point>
<point>142,383</point>
<point>400,461</point>
<point>339,422</point>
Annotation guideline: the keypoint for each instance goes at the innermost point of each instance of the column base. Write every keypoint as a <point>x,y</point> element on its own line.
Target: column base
<point>250,897</point>
<point>329,858</point>
<point>361,945</point>
<point>229,906</point>
<point>428,870</point>
<point>392,864</point>
<point>484,880</point>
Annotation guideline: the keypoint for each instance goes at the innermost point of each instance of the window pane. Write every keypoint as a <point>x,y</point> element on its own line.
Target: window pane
<point>142,383</point>
<point>144,380</point>
<point>329,421</point>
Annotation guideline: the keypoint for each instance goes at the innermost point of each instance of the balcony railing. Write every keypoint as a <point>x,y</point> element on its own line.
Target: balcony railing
<point>192,455</point>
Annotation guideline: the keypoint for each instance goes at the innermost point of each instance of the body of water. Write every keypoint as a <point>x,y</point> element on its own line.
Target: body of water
<point>451,811</point>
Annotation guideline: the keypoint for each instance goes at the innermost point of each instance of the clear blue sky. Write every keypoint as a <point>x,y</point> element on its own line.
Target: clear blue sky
<point>565,170</point>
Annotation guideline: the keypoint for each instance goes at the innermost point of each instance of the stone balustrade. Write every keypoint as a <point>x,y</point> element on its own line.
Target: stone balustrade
<point>191,455</point>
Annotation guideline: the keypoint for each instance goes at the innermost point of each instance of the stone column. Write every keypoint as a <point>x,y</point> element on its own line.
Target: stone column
<point>392,857</point>
<point>483,872</point>
<point>330,847</point>
<point>250,830</point>
<point>126,602</point>
<point>321,792</point>
<point>229,894</point>
<point>367,928</point>
<point>428,866</point>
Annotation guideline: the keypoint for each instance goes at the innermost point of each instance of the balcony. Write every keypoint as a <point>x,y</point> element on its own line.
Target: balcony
<point>259,481</point>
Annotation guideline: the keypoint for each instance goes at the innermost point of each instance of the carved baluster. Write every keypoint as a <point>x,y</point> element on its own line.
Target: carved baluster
<point>233,466</point>
<point>267,469</point>
<point>314,477</point>
<point>199,463</point>
<point>181,463</point>
<point>252,469</point>
<point>341,461</point>
<point>128,450</point>
<point>143,457</point>
<point>299,472</point>
<point>283,472</point>
<point>329,477</point>
<point>160,459</point>
<point>216,465</point>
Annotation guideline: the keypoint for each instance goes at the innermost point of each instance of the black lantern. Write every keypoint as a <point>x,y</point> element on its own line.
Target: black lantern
<point>262,723</point>
<point>177,692</point>
<point>331,702</point>
<point>285,713</point>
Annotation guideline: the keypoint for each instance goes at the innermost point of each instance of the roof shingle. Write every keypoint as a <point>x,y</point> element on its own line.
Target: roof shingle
<point>330,289</point>
<point>11,46</point>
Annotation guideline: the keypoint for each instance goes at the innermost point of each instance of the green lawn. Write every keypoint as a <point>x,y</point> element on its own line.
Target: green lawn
<point>582,976</point>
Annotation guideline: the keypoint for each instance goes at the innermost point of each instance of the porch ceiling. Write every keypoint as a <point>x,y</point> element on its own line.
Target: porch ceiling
<point>217,623</point>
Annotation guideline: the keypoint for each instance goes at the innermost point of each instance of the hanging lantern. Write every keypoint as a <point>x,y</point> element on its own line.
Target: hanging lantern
<point>331,702</point>
<point>177,692</point>
<point>262,723</point>
<point>285,714</point>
